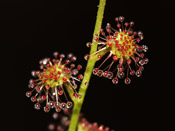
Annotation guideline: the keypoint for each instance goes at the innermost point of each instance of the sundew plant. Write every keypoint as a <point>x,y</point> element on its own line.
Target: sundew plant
<point>59,86</point>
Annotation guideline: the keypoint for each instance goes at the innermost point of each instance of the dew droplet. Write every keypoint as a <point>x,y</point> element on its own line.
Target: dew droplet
<point>100,128</point>
<point>57,108</point>
<point>85,83</point>
<point>51,127</point>
<point>106,129</point>
<point>51,104</point>
<point>47,108</point>
<point>37,106</point>
<point>127,80</point>
<point>99,57</point>
<point>141,55</point>
<point>145,48</point>
<point>80,77</point>
<point>62,56</point>
<point>33,73</point>
<point>138,73</point>
<point>55,54</point>
<point>141,68</point>
<point>139,33</point>
<point>120,68</point>
<point>117,19</point>
<point>33,98</point>
<point>75,72</point>
<point>115,80</point>
<point>72,65</point>
<point>105,74</point>
<point>63,105</point>
<point>55,115</point>
<point>115,58</point>
<point>120,75</point>
<point>45,61</point>
<point>74,58</point>
<point>86,57</point>
<point>69,104</point>
<point>121,18</point>
<point>132,72</point>
<point>110,75</point>
<point>28,93</point>
<point>70,55</point>
<point>79,67</point>
<point>140,49</point>
<point>95,70</point>
<point>31,81</point>
<point>131,23</point>
<point>88,44</point>
<point>141,62</point>
<point>59,128</point>
<point>60,92</point>
<point>146,60</point>
<point>100,73</point>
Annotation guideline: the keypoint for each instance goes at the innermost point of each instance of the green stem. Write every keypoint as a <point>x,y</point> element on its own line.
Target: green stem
<point>89,69</point>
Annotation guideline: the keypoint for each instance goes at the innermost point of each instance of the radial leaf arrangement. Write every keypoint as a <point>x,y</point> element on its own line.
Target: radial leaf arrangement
<point>50,84</point>
<point>63,121</point>
<point>122,47</point>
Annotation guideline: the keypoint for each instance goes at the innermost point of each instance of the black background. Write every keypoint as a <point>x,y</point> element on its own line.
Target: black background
<point>41,27</point>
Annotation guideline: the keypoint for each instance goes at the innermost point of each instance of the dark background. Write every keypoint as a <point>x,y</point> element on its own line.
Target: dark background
<point>41,27</point>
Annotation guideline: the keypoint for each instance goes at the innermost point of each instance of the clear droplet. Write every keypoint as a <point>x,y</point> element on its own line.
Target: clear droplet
<point>100,73</point>
<point>85,83</point>
<point>28,93</point>
<point>120,75</point>
<point>115,80</point>
<point>69,56</point>
<point>145,48</point>
<point>74,58</point>
<point>105,74</point>
<point>63,105</point>
<point>51,127</point>
<point>141,68</point>
<point>139,33</point>
<point>110,75</point>
<point>62,56</point>
<point>55,115</point>
<point>69,104</point>
<point>31,81</point>
<point>47,108</point>
<point>132,72</point>
<point>127,80</point>
<point>33,98</point>
<point>95,70</point>
<point>121,18</point>
<point>88,44</point>
<point>146,60</point>
<point>45,61</point>
<point>138,73</point>
<point>75,72</point>
<point>57,108</point>
<point>51,104</point>
<point>141,62</point>
<point>86,57</point>
<point>55,54</point>
<point>60,92</point>
<point>37,106</point>
<point>59,128</point>
<point>33,73</point>
<point>139,49</point>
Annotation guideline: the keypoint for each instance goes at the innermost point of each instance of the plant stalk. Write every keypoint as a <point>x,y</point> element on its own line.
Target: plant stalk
<point>89,68</point>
